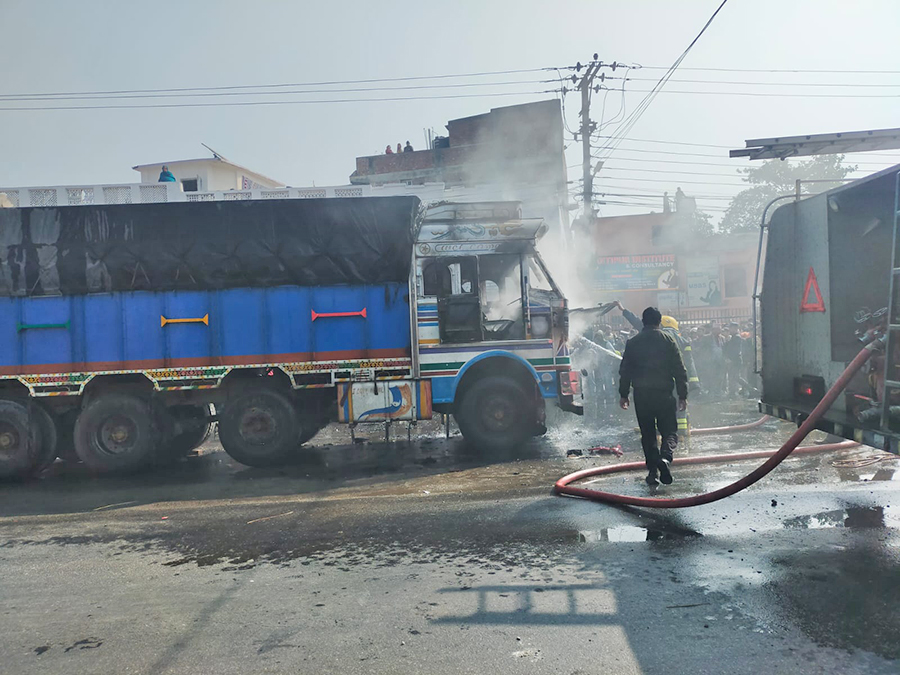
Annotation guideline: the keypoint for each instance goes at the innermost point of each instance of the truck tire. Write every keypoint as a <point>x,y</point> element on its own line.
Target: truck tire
<point>259,427</point>
<point>115,434</point>
<point>20,440</point>
<point>193,438</point>
<point>495,414</point>
<point>49,438</point>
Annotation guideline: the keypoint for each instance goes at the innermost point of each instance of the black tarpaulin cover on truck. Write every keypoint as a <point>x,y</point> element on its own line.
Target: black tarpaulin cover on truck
<point>206,245</point>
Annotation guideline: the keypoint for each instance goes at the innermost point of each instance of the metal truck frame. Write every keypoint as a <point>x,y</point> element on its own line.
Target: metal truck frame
<point>478,331</point>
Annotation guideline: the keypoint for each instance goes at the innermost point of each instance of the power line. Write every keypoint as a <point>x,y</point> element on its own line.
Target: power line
<point>699,145</point>
<point>731,165</point>
<point>672,171</point>
<point>632,119</point>
<point>646,140</point>
<point>285,84</point>
<point>781,70</point>
<point>652,194</point>
<point>759,93</point>
<point>889,159</point>
<point>271,103</point>
<point>7,98</point>
<point>773,84</point>
<point>659,193</point>
<point>688,182</point>
<point>671,152</point>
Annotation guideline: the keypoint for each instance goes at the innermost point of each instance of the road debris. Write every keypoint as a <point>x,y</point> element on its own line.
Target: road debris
<point>112,506</point>
<point>277,515</point>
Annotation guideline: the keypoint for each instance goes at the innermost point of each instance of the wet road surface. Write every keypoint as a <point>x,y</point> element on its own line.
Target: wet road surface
<point>427,557</point>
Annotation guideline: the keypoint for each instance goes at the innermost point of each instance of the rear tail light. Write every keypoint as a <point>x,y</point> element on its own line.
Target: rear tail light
<point>809,388</point>
<point>570,383</point>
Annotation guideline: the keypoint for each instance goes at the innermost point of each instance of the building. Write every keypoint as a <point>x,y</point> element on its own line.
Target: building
<point>513,153</point>
<point>653,259</point>
<point>210,174</point>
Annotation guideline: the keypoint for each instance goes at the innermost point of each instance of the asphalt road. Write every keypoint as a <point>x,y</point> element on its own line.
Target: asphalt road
<point>426,557</point>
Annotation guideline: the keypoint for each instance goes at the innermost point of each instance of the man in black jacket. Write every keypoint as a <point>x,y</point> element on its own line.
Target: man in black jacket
<point>652,364</point>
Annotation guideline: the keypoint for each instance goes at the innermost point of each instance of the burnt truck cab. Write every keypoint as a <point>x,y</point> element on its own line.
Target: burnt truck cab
<point>831,285</point>
<point>486,305</point>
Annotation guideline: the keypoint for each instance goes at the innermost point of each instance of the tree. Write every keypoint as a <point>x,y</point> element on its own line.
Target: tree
<point>700,224</point>
<point>777,177</point>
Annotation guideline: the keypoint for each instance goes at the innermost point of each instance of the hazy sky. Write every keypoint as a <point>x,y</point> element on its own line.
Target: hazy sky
<point>89,46</point>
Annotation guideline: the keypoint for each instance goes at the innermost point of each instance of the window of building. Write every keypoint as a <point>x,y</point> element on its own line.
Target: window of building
<point>190,184</point>
<point>735,281</point>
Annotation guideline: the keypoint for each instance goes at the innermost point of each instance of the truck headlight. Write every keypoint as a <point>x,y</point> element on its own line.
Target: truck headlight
<point>540,326</point>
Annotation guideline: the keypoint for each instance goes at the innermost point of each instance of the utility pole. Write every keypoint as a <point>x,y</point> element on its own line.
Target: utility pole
<point>585,83</point>
<point>587,128</point>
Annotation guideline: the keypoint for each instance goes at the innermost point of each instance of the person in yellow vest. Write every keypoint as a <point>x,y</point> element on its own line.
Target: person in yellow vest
<point>669,325</point>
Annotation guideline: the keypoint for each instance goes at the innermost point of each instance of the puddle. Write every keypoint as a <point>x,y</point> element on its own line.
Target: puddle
<point>853,517</point>
<point>627,533</point>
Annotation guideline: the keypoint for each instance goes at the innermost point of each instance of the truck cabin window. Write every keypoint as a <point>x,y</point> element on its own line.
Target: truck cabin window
<point>537,279</point>
<point>501,296</point>
<point>443,277</point>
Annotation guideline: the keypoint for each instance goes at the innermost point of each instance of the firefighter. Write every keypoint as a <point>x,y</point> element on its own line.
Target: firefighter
<point>652,364</point>
<point>670,325</point>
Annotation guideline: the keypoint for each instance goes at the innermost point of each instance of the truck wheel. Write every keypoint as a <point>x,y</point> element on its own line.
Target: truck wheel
<point>194,437</point>
<point>47,425</point>
<point>259,427</point>
<point>20,440</point>
<point>115,433</point>
<point>495,414</point>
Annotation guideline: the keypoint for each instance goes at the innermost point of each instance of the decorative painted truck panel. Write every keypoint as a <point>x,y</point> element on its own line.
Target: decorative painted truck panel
<point>145,330</point>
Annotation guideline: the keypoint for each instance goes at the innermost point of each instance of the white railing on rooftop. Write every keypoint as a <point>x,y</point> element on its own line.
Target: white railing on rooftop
<point>80,195</point>
<point>154,193</point>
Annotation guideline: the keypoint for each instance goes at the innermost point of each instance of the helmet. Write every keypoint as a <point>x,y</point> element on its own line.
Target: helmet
<point>668,322</point>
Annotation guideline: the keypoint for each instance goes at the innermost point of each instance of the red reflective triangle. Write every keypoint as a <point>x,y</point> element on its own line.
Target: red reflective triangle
<point>805,304</point>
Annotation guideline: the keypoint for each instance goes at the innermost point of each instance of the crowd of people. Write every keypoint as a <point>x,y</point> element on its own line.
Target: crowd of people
<point>719,357</point>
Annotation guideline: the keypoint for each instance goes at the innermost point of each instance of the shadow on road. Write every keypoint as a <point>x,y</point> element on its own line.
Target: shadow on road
<point>212,474</point>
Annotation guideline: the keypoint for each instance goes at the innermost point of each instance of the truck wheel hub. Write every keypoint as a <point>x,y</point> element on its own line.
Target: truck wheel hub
<point>117,434</point>
<point>258,426</point>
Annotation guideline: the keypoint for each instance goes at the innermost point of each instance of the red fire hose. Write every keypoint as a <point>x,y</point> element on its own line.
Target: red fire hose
<point>563,486</point>
<point>727,430</point>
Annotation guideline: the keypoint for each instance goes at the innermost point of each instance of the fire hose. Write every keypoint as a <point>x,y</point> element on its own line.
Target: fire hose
<point>563,485</point>
<point>727,430</point>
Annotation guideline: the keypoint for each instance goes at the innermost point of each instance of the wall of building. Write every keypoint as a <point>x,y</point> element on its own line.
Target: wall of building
<point>511,153</point>
<point>652,260</point>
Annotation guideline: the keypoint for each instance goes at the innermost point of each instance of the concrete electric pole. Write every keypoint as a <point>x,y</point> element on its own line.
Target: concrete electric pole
<point>587,128</point>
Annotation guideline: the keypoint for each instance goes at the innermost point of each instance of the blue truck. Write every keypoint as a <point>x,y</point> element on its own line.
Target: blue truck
<point>126,330</point>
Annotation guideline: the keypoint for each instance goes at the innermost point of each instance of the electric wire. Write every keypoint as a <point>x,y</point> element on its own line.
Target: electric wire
<point>629,122</point>
<point>86,97</point>
<point>154,106</point>
<point>286,84</point>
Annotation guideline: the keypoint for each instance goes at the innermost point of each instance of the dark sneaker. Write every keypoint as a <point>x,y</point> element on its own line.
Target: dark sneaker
<point>651,479</point>
<point>665,475</point>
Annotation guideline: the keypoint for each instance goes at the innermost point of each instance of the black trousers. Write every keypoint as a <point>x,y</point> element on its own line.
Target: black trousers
<point>655,410</point>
